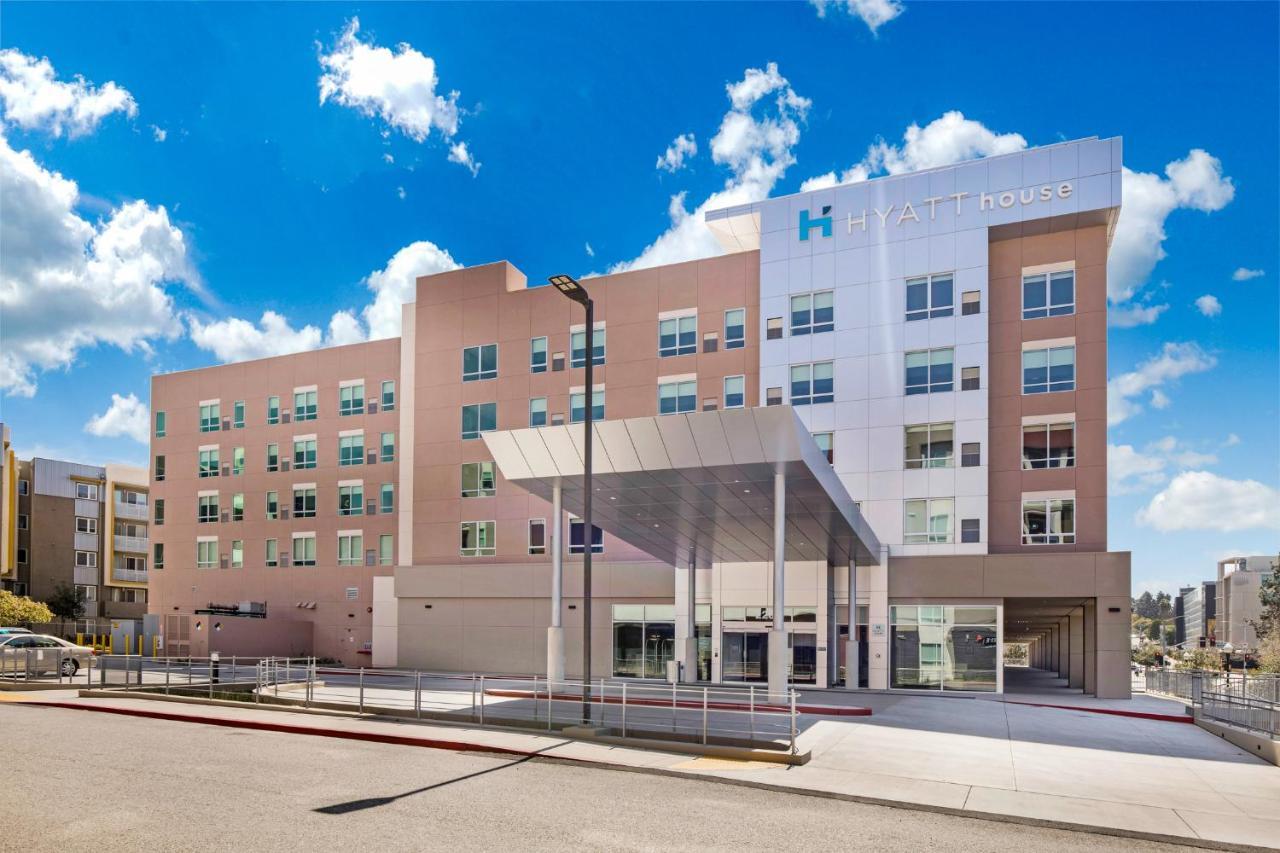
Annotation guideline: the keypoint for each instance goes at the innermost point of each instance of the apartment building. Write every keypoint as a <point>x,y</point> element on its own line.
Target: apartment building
<point>904,380</point>
<point>1195,615</point>
<point>84,526</point>
<point>1238,602</point>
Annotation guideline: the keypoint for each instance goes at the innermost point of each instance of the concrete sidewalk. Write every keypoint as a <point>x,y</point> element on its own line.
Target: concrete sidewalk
<point>1118,775</point>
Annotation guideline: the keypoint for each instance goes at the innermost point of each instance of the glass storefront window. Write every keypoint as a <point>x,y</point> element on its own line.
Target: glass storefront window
<point>644,639</point>
<point>944,647</point>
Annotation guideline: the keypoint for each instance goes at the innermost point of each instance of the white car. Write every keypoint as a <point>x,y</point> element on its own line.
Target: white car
<point>36,654</point>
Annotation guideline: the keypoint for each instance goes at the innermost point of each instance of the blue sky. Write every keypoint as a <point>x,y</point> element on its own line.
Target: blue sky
<point>174,165</point>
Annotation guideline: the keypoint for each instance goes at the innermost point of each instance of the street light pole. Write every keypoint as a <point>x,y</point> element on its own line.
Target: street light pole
<point>575,291</point>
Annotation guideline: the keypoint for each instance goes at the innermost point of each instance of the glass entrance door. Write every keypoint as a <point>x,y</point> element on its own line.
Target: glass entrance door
<point>745,656</point>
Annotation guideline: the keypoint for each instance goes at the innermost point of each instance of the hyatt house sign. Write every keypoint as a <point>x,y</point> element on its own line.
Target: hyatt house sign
<point>929,206</point>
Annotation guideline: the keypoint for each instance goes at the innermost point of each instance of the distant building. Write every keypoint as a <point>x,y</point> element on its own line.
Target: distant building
<point>1196,609</point>
<point>1180,616</point>
<point>1238,605</point>
<point>8,510</point>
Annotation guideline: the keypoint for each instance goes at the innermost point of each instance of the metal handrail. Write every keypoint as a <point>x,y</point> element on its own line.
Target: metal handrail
<point>1243,711</point>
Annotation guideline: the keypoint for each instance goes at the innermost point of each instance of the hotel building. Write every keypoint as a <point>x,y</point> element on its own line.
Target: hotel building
<point>885,401</point>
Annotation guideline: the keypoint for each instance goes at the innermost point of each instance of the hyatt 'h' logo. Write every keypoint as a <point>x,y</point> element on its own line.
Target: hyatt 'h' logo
<point>807,223</point>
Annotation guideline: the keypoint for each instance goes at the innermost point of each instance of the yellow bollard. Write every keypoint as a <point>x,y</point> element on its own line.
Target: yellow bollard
<point>111,645</point>
<point>79,639</point>
<point>155,646</point>
<point>139,645</point>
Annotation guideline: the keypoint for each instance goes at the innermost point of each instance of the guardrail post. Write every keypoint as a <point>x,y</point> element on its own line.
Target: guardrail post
<point>535,697</point>
<point>361,690</point>
<point>793,722</point>
<point>624,709</point>
<point>417,694</point>
<point>473,696</point>
<point>102,674</point>
<point>551,686</point>
<point>704,715</point>
<point>482,700</point>
<point>752,712</point>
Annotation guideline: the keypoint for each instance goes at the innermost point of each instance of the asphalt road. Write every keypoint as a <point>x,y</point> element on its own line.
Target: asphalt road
<point>77,780</point>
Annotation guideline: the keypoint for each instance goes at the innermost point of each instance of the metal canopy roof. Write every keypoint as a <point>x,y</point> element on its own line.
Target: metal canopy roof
<point>697,486</point>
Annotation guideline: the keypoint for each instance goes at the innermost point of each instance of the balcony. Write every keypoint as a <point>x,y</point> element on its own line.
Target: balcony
<point>132,544</point>
<point>131,575</point>
<point>134,512</point>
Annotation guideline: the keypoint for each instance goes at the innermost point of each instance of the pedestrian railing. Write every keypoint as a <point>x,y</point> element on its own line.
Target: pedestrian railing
<point>1242,711</point>
<point>47,665</point>
<point>1188,685</point>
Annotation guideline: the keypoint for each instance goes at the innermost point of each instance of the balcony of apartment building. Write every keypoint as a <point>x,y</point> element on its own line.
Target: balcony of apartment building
<point>131,544</point>
<point>131,511</point>
<point>129,569</point>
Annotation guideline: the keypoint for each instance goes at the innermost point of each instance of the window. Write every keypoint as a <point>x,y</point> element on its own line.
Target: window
<point>159,503</point>
<point>773,329</point>
<point>304,453</point>
<point>676,397</point>
<point>273,457</point>
<point>930,296</point>
<point>477,539</point>
<point>351,449</point>
<point>970,454</point>
<point>350,549</point>
<point>24,487</point>
<point>1049,521</point>
<point>207,509</point>
<point>538,355</point>
<point>159,469</point>
<point>538,411</point>
<point>388,395</point>
<point>928,521</point>
<point>1048,370</point>
<point>272,555</point>
<point>388,451</point>
<point>1048,446</point>
<point>206,554</point>
<point>1048,294</point>
<point>929,371</point>
<point>478,418</point>
<point>24,522</point>
<point>304,502</point>
<point>209,463</point>
<point>479,362</point>
<point>87,559</point>
<point>387,498</point>
<point>22,556</point>
<point>578,403</point>
<point>735,328</point>
<point>477,480</point>
<point>735,395</point>
<point>575,538</point>
<point>970,530</point>
<point>812,383</point>
<point>237,414</point>
<point>237,553</point>
<point>930,446</point>
<point>385,549</point>
<point>86,593</point>
<point>773,397</point>
<point>812,313</point>
<point>209,417</point>
<point>157,555</point>
<point>304,549</point>
<point>970,378</point>
<point>825,443</point>
<point>237,506</point>
<point>678,336</point>
<point>273,506</point>
<point>273,410</point>
<point>237,460</point>
<point>304,405</point>
<point>351,500</point>
<point>578,347</point>
<point>351,399</point>
<point>537,536</point>
<point>160,423</point>
<point>970,303</point>
<point>89,491</point>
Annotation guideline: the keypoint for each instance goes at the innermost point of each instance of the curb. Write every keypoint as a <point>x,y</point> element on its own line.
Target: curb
<point>1137,715</point>
<point>463,746</point>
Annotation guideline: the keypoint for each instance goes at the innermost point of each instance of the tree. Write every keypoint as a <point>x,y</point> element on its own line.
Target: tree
<point>1268,621</point>
<point>1201,659</point>
<point>64,603</point>
<point>1146,607</point>
<point>1164,606</point>
<point>18,609</point>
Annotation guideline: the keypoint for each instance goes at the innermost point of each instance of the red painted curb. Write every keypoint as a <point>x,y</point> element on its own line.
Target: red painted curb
<point>257,725</point>
<point>1137,715</point>
<point>821,710</point>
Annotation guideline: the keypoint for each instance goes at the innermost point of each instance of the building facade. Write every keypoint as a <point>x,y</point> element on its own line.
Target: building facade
<point>1195,613</point>
<point>1238,604</point>
<point>940,335</point>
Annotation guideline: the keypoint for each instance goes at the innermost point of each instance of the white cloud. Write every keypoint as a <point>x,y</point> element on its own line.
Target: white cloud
<point>1131,470</point>
<point>1209,305</point>
<point>874,13</point>
<point>235,339</point>
<point>67,283</point>
<point>591,253</point>
<point>755,142</point>
<point>1244,274</point>
<point>1199,500</point>
<point>950,138</point>
<point>399,88</point>
<point>400,193</point>
<point>1232,440</point>
<point>396,283</point>
<point>672,160</point>
<point>35,100</point>
<point>1195,182</point>
<point>126,416</point>
<point>1174,361</point>
<point>159,133</point>
<point>1159,399</point>
<point>387,158</point>
<point>1135,315</point>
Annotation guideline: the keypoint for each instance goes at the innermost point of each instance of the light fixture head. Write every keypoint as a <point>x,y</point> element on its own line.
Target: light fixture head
<point>570,287</point>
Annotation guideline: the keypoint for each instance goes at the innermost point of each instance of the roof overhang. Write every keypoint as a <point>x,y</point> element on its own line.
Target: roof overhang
<point>697,487</point>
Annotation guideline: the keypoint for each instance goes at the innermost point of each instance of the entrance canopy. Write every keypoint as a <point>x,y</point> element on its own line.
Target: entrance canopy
<point>697,487</point>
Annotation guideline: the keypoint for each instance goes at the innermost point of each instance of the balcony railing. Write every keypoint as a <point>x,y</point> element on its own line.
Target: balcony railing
<point>134,512</point>
<point>132,544</point>
<point>131,575</point>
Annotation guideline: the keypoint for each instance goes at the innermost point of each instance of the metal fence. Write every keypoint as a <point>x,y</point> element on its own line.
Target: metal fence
<point>1188,685</point>
<point>1243,711</point>
<point>43,665</point>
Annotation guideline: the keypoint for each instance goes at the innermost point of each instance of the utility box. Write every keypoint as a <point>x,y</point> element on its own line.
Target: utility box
<point>675,671</point>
